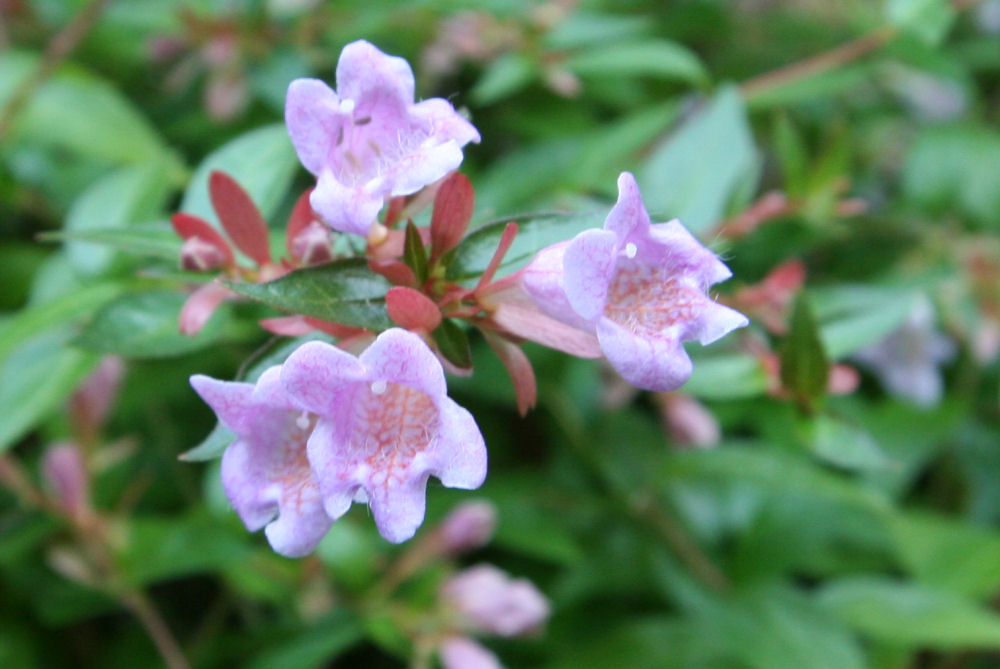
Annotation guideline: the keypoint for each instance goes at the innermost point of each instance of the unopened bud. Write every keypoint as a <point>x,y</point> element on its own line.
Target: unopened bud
<point>468,527</point>
<point>198,255</point>
<point>90,403</point>
<point>311,245</point>
<point>66,474</point>
<point>459,652</point>
<point>486,599</point>
<point>688,421</point>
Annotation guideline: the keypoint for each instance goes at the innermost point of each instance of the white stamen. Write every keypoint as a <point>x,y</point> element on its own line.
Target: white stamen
<point>302,422</point>
<point>347,106</point>
<point>379,387</point>
<point>631,250</point>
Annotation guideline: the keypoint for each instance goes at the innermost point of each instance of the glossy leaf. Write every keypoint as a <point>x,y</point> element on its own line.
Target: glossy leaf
<point>804,365</point>
<point>344,292</point>
<point>414,253</point>
<point>453,343</point>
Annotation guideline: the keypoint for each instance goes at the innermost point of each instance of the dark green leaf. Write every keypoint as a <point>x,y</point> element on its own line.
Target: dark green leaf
<point>315,646</point>
<point>535,232</point>
<point>804,366</point>
<point>656,58</point>
<point>453,343</point>
<point>695,172</point>
<point>155,239</point>
<point>414,253</point>
<point>344,292</point>
<point>144,325</point>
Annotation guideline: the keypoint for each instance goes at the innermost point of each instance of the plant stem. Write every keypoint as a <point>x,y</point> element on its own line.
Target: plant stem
<point>138,603</point>
<point>58,48</point>
<point>818,64</point>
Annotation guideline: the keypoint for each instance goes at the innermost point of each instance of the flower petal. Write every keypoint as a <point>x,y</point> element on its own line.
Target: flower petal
<point>588,266</point>
<point>314,121</point>
<point>682,253</point>
<point>543,281</point>
<point>402,357</point>
<point>398,507</point>
<point>651,363</point>
<point>368,76</point>
<point>316,375</point>
<point>350,209</point>
<point>716,321</point>
<point>629,213</point>
<point>458,456</point>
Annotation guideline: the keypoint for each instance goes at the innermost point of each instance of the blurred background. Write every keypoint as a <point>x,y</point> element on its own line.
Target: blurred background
<point>824,492</point>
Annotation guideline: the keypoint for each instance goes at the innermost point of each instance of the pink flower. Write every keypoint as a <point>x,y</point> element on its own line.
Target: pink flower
<point>487,600</point>
<point>385,425</point>
<point>368,140</point>
<point>459,652</point>
<point>641,288</point>
<point>468,527</point>
<point>266,472</point>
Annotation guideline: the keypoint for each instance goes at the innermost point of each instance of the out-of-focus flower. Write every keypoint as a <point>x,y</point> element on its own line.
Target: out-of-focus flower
<point>468,527</point>
<point>265,471</point>
<point>767,301</point>
<point>641,288</point>
<point>988,17</point>
<point>486,600</point>
<point>459,652</point>
<point>688,421</point>
<point>385,424</point>
<point>907,361</point>
<point>368,140</point>
<point>66,473</point>
<point>90,404</point>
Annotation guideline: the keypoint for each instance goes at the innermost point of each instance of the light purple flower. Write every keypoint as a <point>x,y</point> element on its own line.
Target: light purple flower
<point>907,361</point>
<point>459,652</point>
<point>640,287</point>
<point>487,600</point>
<point>468,527</point>
<point>368,140</point>
<point>385,425</point>
<point>266,472</point>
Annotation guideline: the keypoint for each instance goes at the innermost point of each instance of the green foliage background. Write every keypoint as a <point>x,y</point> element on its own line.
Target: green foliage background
<point>823,531</point>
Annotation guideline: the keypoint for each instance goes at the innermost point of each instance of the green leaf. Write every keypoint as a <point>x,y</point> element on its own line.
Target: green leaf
<point>414,253</point>
<point>211,447</point>
<point>144,325</point>
<point>696,171</point>
<point>76,111</point>
<point>726,376</point>
<point>344,292</point>
<point>791,153</point>
<point>123,197</point>
<point>155,239</point>
<point>453,343</point>
<point>262,161</point>
<point>315,646</point>
<point>804,366</point>
<point>35,377</point>
<point>843,444</point>
<point>505,76</point>
<point>927,20</point>
<point>854,316</point>
<point>910,615</point>
<point>535,232</point>
<point>949,553</point>
<point>655,58</point>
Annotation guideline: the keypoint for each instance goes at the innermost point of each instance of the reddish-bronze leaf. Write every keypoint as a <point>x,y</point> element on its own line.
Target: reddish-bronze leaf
<point>239,216</point>
<point>302,215</point>
<point>453,207</point>
<point>411,309</point>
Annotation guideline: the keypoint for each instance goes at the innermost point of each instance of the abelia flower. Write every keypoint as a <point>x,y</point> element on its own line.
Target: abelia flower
<point>266,472</point>
<point>640,287</point>
<point>487,600</point>
<point>368,140</point>
<point>459,652</point>
<point>385,424</point>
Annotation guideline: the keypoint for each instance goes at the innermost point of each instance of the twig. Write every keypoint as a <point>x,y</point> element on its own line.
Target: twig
<point>61,46</point>
<point>817,64</point>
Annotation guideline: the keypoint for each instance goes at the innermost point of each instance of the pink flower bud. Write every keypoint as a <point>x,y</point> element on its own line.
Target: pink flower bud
<point>198,255</point>
<point>66,474</point>
<point>487,600</point>
<point>90,403</point>
<point>688,421</point>
<point>459,652</point>
<point>311,245</point>
<point>468,527</point>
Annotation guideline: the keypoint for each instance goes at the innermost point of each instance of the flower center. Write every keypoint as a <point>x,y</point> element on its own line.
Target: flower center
<point>291,465</point>
<point>645,301</point>
<point>368,147</point>
<point>397,422</point>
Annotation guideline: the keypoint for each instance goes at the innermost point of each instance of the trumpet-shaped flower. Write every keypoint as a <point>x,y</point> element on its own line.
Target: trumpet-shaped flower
<point>489,601</point>
<point>385,425</point>
<point>640,287</point>
<point>265,471</point>
<point>368,140</point>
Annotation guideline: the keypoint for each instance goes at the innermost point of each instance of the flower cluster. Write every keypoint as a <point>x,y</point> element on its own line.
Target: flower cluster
<point>327,428</point>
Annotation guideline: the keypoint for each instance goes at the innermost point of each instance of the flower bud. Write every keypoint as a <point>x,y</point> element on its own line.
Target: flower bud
<point>459,652</point>
<point>311,244</point>
<point>198,255</point>
<point>90,403</point>
<point>66,474</point>
<point>468,527</point>
<point>487,600</point>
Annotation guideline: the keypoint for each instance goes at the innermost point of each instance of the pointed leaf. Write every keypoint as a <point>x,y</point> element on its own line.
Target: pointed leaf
<point>453,343</point>
<point>411,309</point>
<point>518,367</point>
<point>188,226</point>
<point>154,239</point>
<point>239,216</point>
<point>804,366</point>
<point>302,215</point>
<point>414,253</point>
<point>453,206</point>
<point>344,292</point>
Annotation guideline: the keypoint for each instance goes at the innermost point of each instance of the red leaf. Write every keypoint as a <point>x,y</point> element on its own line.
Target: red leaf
<point>518,367</point>
<point>200,305</point>
<point>411,309</point>
<point>188,226</point>
<point>453,207</point>
<point>239,216</point>
<point>396,271</point>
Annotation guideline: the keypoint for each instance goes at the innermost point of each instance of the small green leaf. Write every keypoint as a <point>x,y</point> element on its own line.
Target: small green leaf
<point>695,172</point>
<point>726,376</point>
<point>842,444</point>
<point>144,325</point>
<point>804,366</point>
<point>262,161</point>
<point>211,447</point>
<point>535,232</point>
<point>910,615</point>
<point>344,292</point>
<point>927,20</point>
<point>453,343</point>
<point>655,58</point>
<point>414,253</point>
<point>504,77</point>
<point>154,239</point>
